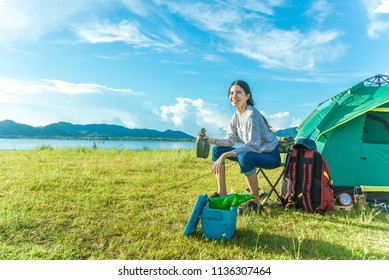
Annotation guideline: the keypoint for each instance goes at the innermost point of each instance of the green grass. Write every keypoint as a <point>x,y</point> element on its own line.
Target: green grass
<point>122,204</point>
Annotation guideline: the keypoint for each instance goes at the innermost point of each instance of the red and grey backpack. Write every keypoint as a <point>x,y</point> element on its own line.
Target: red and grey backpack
<point>307,183</point>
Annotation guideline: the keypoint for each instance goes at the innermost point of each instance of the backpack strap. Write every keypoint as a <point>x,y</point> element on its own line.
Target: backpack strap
<point>307,180</point>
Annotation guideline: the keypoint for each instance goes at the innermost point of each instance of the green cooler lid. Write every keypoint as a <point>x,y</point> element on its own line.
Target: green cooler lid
<point>194,217</point>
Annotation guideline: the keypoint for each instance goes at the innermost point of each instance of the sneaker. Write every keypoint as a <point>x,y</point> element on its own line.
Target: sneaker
<point>262,194</point>
<point>250,207</point>
<point>247,191</point>
<point>215,195</point>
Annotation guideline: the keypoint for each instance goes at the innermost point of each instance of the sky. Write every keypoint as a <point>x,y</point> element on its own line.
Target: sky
<point>166,64</point>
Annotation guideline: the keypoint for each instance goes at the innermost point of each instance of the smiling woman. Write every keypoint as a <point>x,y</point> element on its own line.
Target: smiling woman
<point>259,147</point>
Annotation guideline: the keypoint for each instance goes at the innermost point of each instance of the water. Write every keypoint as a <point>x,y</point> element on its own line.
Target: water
<point>31,144</point>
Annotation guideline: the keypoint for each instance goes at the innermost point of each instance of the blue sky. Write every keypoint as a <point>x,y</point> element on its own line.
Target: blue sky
<point>164,64</point>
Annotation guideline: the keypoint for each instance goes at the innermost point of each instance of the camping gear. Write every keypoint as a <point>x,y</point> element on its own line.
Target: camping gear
<point>285,144</point>
<point>359,198</point>
<point>351,131</point>
<point>379,205</point>
<point>344,199</point>
<point>225,202</point>
<point>307,182</point>
<point>343,208</point>
<point>202,146</point>
<point>216,224</point>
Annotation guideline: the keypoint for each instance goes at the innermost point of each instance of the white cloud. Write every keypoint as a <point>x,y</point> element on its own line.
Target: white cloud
<point>211,57</point>
<point>320,10</point>
<point>138,7</point>
<point>295,122</point>
<point>243,27</point>
<point>377,12</point>
<point>206,16</point>
<point>383,8</point>
<point>286,49</point>
<point>47,101</point>
<point>29,20</point>
<point>264,7</point>
<point>125,31</point>
<point>376,28</point>
<point>193,114</point>
<point>255,37</point>
<point>281,120</point>
<point>9,87</point>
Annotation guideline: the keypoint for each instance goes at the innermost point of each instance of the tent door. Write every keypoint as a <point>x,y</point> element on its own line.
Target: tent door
<point>374,151</point>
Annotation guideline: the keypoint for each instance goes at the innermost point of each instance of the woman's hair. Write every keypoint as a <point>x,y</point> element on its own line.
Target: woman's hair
<point>250,101</point>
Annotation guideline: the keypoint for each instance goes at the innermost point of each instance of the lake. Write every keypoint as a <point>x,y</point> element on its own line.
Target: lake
<point>31,144</point>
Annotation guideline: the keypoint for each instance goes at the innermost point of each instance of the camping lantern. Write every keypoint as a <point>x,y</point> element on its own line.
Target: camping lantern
<point>344,199</point>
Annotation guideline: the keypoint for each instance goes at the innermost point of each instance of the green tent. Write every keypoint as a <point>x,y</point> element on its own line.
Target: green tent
<point>351,130</point>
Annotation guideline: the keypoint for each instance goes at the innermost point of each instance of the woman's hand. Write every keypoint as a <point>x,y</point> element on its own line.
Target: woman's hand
<point>199,137</point>
<point>218,164</point>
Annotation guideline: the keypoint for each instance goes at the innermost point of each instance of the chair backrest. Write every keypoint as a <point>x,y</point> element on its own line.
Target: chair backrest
<point>285,144</point>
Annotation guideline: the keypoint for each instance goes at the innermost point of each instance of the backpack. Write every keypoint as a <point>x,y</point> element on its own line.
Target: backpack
<point>306,183</point>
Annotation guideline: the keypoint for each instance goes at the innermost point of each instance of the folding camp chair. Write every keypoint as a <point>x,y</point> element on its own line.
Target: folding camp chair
<point>285,145</point>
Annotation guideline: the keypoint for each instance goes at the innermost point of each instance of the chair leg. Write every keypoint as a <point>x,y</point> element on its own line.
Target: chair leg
<point>272,186</point>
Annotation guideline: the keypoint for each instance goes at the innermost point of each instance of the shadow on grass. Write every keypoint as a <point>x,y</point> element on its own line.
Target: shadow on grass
<point>293,248</point>
<point>296,248</point>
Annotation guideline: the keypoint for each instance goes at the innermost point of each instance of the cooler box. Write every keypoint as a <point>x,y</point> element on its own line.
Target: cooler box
<point>216,224</point>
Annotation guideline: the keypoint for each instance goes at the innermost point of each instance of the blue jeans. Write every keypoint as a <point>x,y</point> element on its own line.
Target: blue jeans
<point>248,161</point>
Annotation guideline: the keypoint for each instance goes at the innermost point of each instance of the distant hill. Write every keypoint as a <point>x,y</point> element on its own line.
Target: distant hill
<point>292,131</point>
<point>11,129</point>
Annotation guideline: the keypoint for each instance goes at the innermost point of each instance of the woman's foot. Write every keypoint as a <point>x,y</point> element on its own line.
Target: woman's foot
<point>215,195</point>
<point>262,194</point>
<point>250,207</point>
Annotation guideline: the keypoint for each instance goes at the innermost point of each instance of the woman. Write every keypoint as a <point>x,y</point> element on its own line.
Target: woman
<point>259,147</point>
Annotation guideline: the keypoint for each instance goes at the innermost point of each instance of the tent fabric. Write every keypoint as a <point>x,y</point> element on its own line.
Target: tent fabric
<point>356,104</point>
<point>351,130</point>
<point>376,130</point>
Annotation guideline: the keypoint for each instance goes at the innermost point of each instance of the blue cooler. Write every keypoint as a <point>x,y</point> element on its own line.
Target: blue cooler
<point>216,224</point>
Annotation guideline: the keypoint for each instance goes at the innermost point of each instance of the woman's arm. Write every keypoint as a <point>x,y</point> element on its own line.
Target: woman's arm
<point>217,165</point>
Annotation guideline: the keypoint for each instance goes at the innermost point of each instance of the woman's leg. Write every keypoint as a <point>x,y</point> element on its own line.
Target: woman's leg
<point>248,162</point>
<point>221,181</point>
<point>221,176</point>
<point>252,182</point>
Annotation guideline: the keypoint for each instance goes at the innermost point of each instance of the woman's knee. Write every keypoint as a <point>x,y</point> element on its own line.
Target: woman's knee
<point>217,151</point>
<point>246,162</point>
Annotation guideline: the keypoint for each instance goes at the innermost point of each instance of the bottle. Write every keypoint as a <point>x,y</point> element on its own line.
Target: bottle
<point>225,202</point>
<point>202,146</point>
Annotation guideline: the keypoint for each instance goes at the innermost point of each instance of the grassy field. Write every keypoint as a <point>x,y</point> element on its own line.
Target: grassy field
<point>119,204</point>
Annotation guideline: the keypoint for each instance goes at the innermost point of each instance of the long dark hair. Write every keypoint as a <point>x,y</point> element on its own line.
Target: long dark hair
<point>245,86</point>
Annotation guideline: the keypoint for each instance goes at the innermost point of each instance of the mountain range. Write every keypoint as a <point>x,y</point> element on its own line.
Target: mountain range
<point>287,132</point>
<point>11,129</point>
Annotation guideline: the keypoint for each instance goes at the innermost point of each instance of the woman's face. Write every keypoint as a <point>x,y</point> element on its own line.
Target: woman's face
<point>238,97</point>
